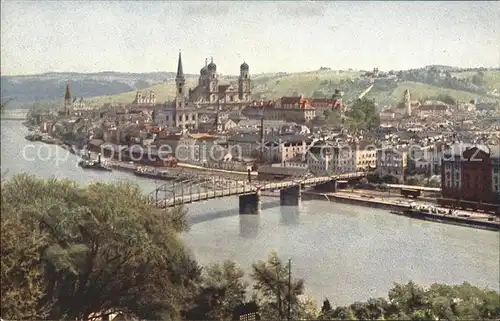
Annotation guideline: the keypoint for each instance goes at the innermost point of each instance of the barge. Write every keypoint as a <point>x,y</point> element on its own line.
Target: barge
<point>154,174</point>
<point>94,164</point>
<point>430,213</point>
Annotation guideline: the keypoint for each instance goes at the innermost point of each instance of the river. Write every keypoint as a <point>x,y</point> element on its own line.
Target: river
<point>343,252</point>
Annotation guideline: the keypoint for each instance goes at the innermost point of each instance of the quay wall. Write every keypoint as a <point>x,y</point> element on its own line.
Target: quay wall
<point>403,210</point>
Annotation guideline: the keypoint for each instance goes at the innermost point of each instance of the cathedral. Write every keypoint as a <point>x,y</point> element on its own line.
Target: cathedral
<point>208,102</point>
<point>209,90</point>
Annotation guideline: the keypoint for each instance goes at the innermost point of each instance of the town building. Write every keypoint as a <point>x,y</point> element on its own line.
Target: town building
<point>291,109</point>
<point>470,176</point>
<point>426,160</point>
<point>280,149</point>
<point>326,157</point>
<point>431,108</point>
<point>143,99</point>
<point>392,161</point>
<point>365,154</point>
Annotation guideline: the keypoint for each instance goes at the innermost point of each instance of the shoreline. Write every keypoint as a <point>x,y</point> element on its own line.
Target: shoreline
<point>393,208</point>
<point>398,209</point>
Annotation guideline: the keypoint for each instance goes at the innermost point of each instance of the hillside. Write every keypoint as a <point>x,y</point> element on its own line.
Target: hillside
<point>420,91</point>
<point>100,88</point>
<point>50,86</point>
<point>263,86</point>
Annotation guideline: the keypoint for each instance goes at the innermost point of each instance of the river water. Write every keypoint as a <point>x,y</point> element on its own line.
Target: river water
<point>343,252</point>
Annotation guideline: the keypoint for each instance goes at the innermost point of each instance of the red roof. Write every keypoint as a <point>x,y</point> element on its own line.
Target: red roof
<point>292,100</point>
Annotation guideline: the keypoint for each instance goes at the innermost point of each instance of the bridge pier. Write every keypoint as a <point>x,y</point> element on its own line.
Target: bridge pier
<point>327,187</point>
<point>289,215</point>
<point>250,203</point>
<point>290,196</point>
<point>249,226</point>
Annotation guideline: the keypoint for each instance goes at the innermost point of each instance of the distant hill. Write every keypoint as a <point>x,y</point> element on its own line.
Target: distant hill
<point>98,88</point>
<point>51,86</point>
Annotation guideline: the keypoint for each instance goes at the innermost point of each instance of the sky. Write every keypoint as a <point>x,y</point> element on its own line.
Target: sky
<point>271,36</point>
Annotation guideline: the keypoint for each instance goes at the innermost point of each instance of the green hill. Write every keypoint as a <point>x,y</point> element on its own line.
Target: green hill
<point>418,91</point>
<point>101,88</point>
<point>323,82</point>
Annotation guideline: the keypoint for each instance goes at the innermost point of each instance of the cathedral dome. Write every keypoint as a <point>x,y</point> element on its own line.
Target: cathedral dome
<point>211,65</point>
<point>204,71</point>
<point>244,66</point>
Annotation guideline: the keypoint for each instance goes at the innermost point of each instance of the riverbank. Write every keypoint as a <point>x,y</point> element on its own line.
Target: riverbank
<point>373,199</point>
<point>399,207</point>
<point>393,203</point>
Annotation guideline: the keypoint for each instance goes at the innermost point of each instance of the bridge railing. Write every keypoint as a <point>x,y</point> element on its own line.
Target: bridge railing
<point>181,190</point>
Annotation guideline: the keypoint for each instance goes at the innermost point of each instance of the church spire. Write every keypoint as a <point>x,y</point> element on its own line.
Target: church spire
<point>180,72</point>
<point>67,96</point>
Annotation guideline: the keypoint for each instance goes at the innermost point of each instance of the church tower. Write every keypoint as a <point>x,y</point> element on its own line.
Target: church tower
<point>213,82</point>
<point>180,84</point>
<point>244,83</point>
<point>202,81</point>
<point>67,101</point>
<point>407,103</point>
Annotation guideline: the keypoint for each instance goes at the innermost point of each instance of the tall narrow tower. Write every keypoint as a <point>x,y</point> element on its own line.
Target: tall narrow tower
<point>213,82</point>
<point>407,102</point>
<point>67,101</point>
<point>244,83</point>
<point>180,84</point>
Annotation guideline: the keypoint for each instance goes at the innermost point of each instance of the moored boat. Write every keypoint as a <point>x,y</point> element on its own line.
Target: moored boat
<point>154,173</point>
<point>49,140</point>
<point>34,137</point>
<point>88,164</point>
<point>94,164</point>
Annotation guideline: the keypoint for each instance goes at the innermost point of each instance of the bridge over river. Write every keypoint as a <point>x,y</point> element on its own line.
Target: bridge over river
<point>201,188</point>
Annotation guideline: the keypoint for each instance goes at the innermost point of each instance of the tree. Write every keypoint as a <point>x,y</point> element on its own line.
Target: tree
<point>364,115</point>
<point>272,289</point>
<point>333,117</point>
<point>93,249</point>
<point>413,302</point>
<point>318,94</point>
<point>478,79</point>
<point>326,307</point>
<point>445,98</point>
<point>222,291</point>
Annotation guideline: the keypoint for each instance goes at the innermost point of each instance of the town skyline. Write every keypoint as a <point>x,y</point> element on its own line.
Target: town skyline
<point>138,38</point>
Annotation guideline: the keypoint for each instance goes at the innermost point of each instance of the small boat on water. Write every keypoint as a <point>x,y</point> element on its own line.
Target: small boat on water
<point>94,164</point>
<point>34,137</point>
<point>84,154</point>
<point>49,140</point>
<point>154,174</point>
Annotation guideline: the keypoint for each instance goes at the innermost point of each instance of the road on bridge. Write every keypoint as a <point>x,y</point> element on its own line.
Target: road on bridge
<point>183,194</point>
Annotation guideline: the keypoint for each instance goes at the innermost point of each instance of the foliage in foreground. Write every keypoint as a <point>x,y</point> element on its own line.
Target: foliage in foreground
<point>69,252</point>
<point>413,302</point>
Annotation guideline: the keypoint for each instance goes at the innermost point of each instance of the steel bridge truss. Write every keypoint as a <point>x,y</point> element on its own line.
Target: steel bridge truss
<point>194,185</point>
